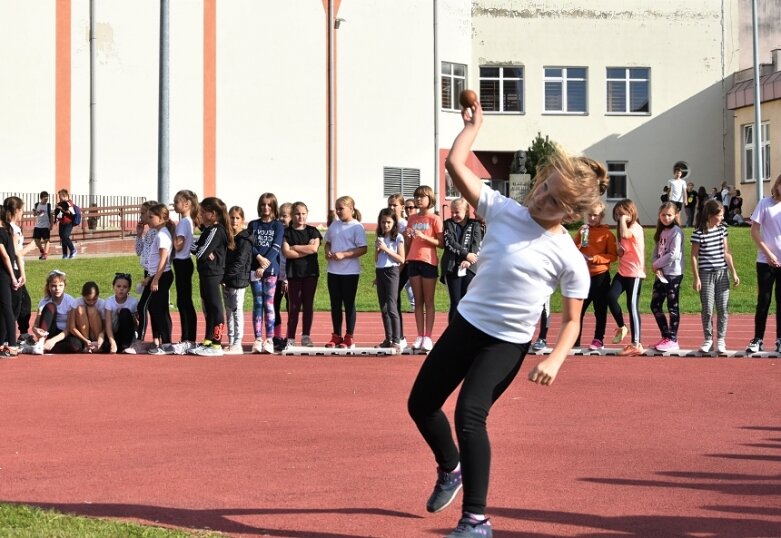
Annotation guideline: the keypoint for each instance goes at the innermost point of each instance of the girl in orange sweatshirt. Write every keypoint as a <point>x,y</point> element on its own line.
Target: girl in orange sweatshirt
<point>598,246</point>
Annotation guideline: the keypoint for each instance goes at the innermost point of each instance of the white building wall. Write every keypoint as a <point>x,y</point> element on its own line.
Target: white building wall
<point>27,40</point>
<point>681,45</point>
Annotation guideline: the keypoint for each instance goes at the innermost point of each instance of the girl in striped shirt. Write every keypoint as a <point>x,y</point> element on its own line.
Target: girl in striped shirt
<point>710,259</point>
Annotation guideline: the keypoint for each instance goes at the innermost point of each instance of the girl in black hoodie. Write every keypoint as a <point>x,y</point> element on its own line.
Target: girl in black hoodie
<point>210,252</point>
<point>236,280</point>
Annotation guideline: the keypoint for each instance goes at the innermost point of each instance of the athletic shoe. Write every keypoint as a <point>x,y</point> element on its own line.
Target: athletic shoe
<point>418,343</point>
<point>620,334</point>
<point>469,527</point>
<point>403,344</point>
<point>211,350</point>
<point>257,346</point>
<point>196,350</point>
<point>385,344</point>
<point>41,257</point>
<point>45,256</point>
<point>156,350</point>
<point>445,490</point>
<point>233,349</point>
<point>347,342</point>
<point>721,346</point>
<point>37,348</point>
<point>306,341</point>
<point>632,350</point>
<point>279,343</point>
<point>778,345</point>
<point>596,345</point>
<point>539,345</point>
<point>335,340</point>
<point>290,342</point>
<point>667,344</point>
<point>73,255</point>
<point>755,345</point>
<point>427,344</point>
<point>706,346</point>
<point>182,348</point>
<point>268,346</point>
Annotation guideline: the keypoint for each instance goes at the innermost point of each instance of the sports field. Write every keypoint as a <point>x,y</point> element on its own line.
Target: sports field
<point>322,447</point>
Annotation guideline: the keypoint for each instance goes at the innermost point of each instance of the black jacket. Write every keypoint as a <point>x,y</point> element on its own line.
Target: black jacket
<point>455,250</point>
<point>237,262</point>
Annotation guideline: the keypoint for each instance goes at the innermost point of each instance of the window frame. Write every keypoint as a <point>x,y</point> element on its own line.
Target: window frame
<point>457,83</point>
<point>564,79</point>
<point>764,148</point>
<point>501,79</point>
<point>627,80</point>
<point>622,173</point>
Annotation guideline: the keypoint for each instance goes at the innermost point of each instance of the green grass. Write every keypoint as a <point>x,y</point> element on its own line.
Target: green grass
<point>102,269</point>
<point>22,521</point>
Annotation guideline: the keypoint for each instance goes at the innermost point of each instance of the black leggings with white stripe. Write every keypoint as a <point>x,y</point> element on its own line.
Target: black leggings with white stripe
<point>630,285</point>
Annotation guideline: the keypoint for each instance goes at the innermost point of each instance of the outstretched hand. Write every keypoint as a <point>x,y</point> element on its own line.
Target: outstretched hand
<point>545,372</point>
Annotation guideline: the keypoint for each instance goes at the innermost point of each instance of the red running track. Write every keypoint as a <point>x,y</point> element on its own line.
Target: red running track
<point>322,447</point>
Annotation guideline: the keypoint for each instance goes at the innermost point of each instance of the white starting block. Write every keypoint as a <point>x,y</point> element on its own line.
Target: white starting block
<point>585,351</point>
<point>340,351</point>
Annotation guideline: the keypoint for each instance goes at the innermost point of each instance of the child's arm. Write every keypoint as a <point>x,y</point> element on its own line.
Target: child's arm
<point>730,264</point>
<point>464,179</point>
<point>108,328</point>
<point>355,252</point>
<point>696,284</point>
<point>382,247</point>
<point>289,252</point>
<point>624,230</point>
<point>610,255</point>
<point>757,237</point>
<point>5,260</point>
<point>545,372</point>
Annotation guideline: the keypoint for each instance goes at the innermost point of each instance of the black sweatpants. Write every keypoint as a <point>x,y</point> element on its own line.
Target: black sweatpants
<point>342,290</point>
<point>183,275</point>
<point>159,315</point>
<point>767,277</point>
<point>487,366</point>
<point>213,311</point>
<point>7,318</point>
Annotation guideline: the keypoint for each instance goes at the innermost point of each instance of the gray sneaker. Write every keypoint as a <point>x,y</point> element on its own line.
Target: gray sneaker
<point>468,527</point>
<point>539,345</point>
<point>445,490</point>
<point>306,341</point>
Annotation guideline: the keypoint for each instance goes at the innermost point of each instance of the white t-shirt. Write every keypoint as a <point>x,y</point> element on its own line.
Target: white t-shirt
<point>131,303</point>
<point>162,240</point>
<point>16,231</point>
<point>520,266</point>
<point>345,236</point>
<point>184,228</point>
<point>100,305</point>
<point>383,260</point>
<point>677,190</point>
<point>768,215</point>
<point>66,305</point>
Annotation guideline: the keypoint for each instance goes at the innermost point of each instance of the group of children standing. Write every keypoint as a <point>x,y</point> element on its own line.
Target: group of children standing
<point>711,265</point>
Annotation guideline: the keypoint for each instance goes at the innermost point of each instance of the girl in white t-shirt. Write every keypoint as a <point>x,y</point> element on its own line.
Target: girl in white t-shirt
<point>160,278</point>
<point>345,243</point>
<point>85,321</point>
<point>525,255</point>
<point>51,324</point>
<point>119,316</point>
<point>186,204</point>
<point>388,257</point>
<point>766,233</point>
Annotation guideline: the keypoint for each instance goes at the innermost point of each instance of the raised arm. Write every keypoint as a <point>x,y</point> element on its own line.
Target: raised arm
<point>464,179</point>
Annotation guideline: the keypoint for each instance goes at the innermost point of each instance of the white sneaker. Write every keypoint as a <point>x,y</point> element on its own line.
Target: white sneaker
<point>257,346</point>
<point>403,344</point>
<point>182,347</point>
<point>268,346</point>
<point>291,342</point>
<point>427,344</point>
<point>234,349</point>
<point>706,346</point>
<point>721,346</point>
<point>418,342</point>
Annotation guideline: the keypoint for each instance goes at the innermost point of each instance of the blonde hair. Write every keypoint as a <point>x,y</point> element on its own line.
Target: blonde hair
<point>583,181</point>
<point>347,200</point>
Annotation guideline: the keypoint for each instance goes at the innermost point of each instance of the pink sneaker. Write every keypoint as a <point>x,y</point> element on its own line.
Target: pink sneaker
<point>596,345</point>
<point>667,345</point>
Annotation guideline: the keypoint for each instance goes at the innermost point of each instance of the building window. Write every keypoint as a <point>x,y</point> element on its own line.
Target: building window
<point>565,90</point>
<point>628,90</point>
<point>453,82</point>
<point>748,152</point>
<point>400,180</point>
<point>617,173</point>
<point>501,89</point>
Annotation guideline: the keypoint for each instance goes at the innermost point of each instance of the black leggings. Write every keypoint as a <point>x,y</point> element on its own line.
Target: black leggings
<point>65,239</point>
<point>143,308</point>
<point>767,277</point>
<point>342,290</point>
<point>487,366</point>
<point>403,279</point>
<point>630,285</point>
<point>456,289</point>
<point>597,294</point>
<point>301,294</point>
<point>183,274</point>
<point>7,318</point>
<point>159,315</point>
<point>211,302</point>
<point>48,322</point>
<point>124,330</point>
